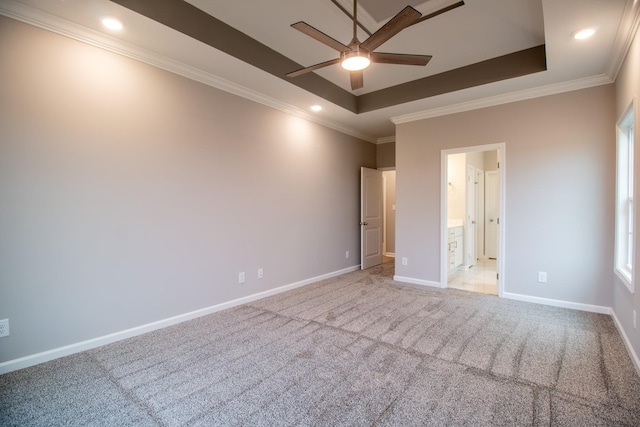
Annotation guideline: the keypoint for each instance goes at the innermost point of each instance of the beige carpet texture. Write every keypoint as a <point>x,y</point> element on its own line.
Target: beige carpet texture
<point>356,350</point>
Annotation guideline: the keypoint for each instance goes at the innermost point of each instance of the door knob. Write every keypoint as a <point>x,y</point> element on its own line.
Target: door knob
<point>364,223</point>
<point>491,220</point>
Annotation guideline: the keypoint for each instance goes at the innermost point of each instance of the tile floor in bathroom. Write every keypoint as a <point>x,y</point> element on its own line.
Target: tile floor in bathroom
<point>479,278</point>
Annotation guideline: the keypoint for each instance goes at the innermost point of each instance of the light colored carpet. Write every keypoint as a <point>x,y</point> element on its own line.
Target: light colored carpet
<point>357,350</point>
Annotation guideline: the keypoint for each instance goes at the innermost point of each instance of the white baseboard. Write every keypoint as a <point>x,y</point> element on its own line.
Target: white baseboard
<point>627,343</point>
<point>558,303</point>
<point>45,356</point>
<point>583,307</point>
<point>390,254</point>
<point>417,281</point>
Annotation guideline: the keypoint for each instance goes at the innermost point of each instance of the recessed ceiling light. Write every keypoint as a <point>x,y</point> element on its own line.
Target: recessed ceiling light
<point>112,23</point>
<point>316,108</point>
<point>584,33</point>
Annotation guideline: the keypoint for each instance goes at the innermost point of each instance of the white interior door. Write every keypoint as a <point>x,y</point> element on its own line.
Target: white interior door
<point>492,212</point>
<point>370,217</point>
<point>470,219</point>
<point>480,214</point>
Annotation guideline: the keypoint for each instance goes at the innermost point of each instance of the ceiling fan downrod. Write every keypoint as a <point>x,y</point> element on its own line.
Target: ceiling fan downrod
<point>357,56</point>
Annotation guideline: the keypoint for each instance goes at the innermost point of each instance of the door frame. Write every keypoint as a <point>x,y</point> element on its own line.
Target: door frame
<point>444,235</point>
<point>385,216</point>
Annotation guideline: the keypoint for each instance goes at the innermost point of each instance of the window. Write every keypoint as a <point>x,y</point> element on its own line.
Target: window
<point>625,208</point>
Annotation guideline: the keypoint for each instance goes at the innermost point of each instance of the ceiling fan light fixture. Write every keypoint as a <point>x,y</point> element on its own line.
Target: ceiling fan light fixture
<point>357,56</point>
<point>355,61</point>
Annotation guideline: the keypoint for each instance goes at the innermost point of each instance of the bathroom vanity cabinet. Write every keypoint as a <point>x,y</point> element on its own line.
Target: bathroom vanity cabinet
<point>456,246</point>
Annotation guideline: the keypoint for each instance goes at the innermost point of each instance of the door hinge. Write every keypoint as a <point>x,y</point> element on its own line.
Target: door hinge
<point>498,165</point>
<point>497,276</point>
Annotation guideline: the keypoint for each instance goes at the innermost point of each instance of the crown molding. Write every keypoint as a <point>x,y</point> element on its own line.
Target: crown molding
<point>629,26</point>
<point>506,98</point>
<point>626,33</point>
<point>12,9</point>
<point>46,21</point>
<point>386,139</point>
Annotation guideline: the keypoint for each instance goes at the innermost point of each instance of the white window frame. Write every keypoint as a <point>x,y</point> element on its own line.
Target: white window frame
<point>625,195</point>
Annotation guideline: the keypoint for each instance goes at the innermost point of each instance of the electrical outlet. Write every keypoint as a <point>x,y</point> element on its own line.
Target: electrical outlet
<point>542,276</point>
<point>346,255</point>
<point>241,277</point>
<point>260,273</point>
<point>404,260</point>
<point>4,328</point>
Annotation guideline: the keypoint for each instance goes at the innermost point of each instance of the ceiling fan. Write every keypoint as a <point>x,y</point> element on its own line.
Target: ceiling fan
<point>356,56</point>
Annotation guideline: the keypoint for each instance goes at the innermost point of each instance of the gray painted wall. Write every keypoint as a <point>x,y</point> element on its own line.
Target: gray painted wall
<point>628,88</point>
<point>386,155</point>
<point>129,195</point>
<point>560,163</point>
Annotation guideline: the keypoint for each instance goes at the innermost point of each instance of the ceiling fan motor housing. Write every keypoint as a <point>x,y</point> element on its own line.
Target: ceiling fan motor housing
<point>357,56</point>
<point>355,60</point>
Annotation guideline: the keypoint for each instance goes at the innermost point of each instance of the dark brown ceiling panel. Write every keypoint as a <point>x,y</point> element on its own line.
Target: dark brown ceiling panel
<point>515,64</point>
<point>195,23</point>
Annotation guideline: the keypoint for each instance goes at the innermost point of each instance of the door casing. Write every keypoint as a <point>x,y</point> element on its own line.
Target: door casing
<point>444,236</point>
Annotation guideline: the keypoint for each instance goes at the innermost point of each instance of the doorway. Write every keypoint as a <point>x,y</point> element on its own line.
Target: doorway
<point>371,217</point>
<point>389,203</point>
<point>472,212</point>
<point>377,217</point>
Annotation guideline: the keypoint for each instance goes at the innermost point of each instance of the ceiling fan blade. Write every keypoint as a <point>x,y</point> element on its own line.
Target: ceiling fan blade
<point>312,68</point>
<point>320,36</point>
<point>346,12</point>
<point>400,58</point>
<point>440,12</point>
<point>357,79</point>
<point>402,20</point>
